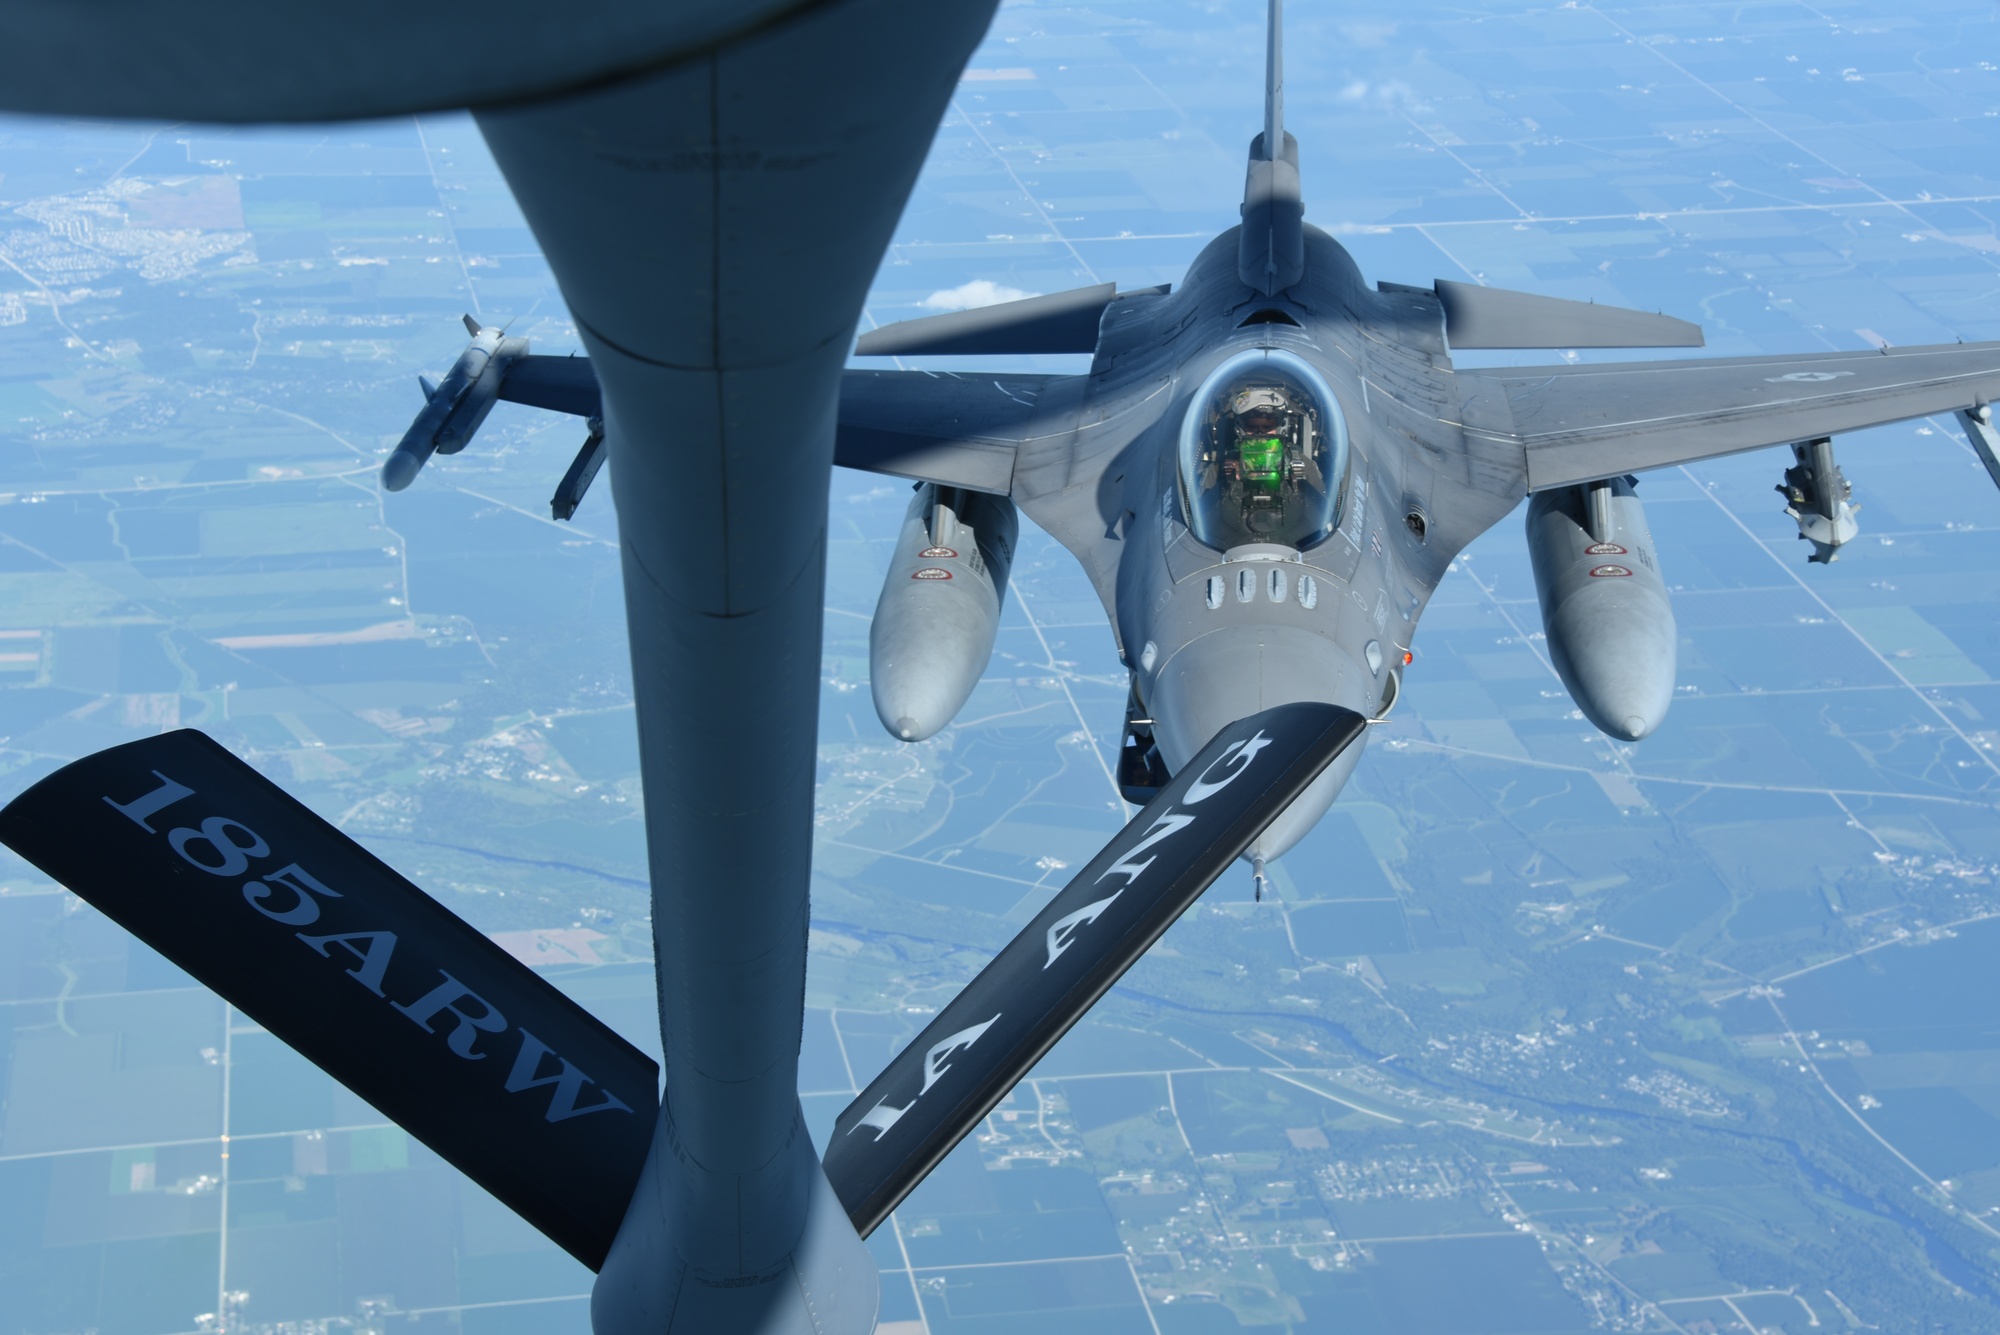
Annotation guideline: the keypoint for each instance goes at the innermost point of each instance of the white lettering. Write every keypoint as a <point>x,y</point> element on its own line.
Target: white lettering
<point>883,1115</point>
<point>443,1000</point>
<point>934,1060</point>
<point>303,912</point>
<point>234,856</point>
<point>371,962</point>
<point>1063,928</point>
<point>141,809</point>
<point>1239,756</point>
<point>1172,822</point>
<point>569,1082</point>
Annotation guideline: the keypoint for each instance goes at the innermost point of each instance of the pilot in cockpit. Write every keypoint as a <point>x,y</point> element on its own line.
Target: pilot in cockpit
<point>1260,467</point>
<point>1266,431</point>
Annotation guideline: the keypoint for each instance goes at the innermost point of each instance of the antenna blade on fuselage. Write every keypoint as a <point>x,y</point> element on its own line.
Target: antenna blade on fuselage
<point>376,983</point>
<point>995,1030</point>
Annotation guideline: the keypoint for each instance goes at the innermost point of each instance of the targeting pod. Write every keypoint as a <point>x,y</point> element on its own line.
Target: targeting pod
<point>454,410</point>
<point>1817,496</point>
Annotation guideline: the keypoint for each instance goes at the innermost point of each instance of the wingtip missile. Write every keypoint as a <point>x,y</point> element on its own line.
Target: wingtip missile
<point>1820,501</point>
<point>454,408</point>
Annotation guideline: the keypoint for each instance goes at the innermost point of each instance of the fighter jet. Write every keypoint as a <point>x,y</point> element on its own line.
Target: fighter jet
<point>1269,467</point>
<point>1265,473</point>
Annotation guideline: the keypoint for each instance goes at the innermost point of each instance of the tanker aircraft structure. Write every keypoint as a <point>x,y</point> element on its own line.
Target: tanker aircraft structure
<point>1265,473</point>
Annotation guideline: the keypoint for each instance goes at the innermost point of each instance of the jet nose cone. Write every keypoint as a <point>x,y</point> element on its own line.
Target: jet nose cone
<point>1635,728</point>
<point>907,729</point>
<point>1231,674</point>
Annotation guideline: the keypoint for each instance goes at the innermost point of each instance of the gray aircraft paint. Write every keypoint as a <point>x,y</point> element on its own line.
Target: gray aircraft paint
<point>1212,636</point>
<point>939,611</point>
<point>1605,609</point>
<point>456,408</point>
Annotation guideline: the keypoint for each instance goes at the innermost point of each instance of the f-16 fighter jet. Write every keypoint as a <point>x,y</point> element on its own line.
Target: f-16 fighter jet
<point>1268,469</point>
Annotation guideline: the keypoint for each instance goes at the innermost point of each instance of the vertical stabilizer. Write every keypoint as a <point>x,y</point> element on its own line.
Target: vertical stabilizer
<point>1272,256</point>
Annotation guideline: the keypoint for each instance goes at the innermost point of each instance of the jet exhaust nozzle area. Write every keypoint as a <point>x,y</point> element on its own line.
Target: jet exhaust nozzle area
<point>1605,609</point>
<point>939,612</point>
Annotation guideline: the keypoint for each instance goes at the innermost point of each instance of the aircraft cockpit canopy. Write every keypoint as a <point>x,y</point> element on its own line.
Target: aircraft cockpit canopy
<point>1263,454</point>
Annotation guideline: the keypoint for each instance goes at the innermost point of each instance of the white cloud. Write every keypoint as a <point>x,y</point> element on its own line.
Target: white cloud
<point>978,292</point>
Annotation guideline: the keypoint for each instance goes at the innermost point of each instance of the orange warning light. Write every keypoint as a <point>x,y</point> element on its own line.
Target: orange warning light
<point>1408,658</point>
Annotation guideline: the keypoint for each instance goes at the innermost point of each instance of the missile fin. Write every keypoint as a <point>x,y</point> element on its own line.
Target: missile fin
<point>471,325</point>
<point>430,390</point>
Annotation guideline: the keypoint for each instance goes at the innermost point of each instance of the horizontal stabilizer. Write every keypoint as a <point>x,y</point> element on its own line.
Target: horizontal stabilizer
<point>1491,317</point>
<point>995,1030</point>
<point>378,984</point>
<point>1058,322</point>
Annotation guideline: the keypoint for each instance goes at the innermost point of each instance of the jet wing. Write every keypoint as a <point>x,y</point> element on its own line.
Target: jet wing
<point>1581,423</point>
<point>959,430</point>
<point>560,384</point>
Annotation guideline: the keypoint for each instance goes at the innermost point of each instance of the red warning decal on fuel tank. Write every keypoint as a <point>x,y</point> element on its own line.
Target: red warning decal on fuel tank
<point>1600,549</point>
<point>932,572</point>
<point>946,553</point>
<point>1608,572</point>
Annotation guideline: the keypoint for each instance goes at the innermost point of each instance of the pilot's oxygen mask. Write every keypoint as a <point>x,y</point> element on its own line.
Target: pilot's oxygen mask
<point>1262,453</point>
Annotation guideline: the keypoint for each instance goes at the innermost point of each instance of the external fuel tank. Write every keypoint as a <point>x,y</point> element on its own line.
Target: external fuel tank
<point>940,607</point>
<point>1604,605</point>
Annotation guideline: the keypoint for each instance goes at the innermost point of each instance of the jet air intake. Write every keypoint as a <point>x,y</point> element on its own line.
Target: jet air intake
<point>940,607</point>
<point>1610,625</point>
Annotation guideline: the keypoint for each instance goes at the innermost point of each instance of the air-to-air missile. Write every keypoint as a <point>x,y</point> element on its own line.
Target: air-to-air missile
<point>1604,606</point>
<point>940,607</point>
<point>454,409</point>
<point>1817,497</point>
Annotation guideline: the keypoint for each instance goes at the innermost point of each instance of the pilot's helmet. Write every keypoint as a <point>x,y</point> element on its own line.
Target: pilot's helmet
<point>1263,454</point>
<point>1259,407</point>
